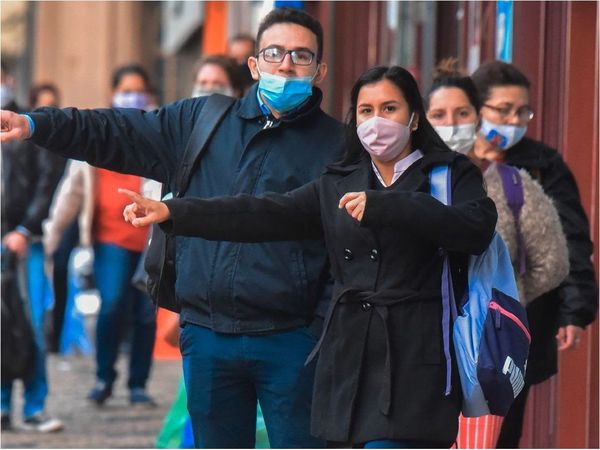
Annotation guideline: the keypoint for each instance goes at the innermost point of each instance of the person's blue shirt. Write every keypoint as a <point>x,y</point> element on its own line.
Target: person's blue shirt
<point>264,108</point>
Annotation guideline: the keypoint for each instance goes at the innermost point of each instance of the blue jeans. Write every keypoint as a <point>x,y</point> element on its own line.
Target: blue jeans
<point>68,241</point>
<point>38,288</point>
<point>74,336</point>
<point>226,374</point>
<point>113,269</point>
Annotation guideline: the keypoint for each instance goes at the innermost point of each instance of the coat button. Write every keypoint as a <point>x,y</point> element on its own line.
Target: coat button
<point>366,306</point>
<point>348,255</point>
<point>374,255</point>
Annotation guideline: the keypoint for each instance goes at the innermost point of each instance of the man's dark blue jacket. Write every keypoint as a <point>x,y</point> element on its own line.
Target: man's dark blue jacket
<point>229,287</point>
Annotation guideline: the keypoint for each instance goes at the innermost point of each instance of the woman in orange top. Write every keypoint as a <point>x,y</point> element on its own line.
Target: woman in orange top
<point>92,193</point>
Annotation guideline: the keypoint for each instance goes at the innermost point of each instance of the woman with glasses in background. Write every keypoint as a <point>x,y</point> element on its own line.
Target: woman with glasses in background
<point>559,316</point>
<point>538,253</point>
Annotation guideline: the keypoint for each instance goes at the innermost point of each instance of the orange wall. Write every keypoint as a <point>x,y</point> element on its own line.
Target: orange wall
<point>215,28</point>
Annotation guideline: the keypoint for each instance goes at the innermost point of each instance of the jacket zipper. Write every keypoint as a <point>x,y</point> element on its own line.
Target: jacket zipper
<point>269,123</point>
<point>496,307</point>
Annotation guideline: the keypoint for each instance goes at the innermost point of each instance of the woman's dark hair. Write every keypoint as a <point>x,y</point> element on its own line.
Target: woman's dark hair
<point>129,69</point>
<point>231,68</point>
<point>37,89</point>
<point>446,75</point>
<point>423,138</point>
<point>497,73</point>
<point>290,15</point>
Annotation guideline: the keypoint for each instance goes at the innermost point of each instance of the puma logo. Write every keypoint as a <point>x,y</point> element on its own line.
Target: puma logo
<point>517,380</point>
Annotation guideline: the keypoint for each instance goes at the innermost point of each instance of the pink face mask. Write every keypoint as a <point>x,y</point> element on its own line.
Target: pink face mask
<point>384,139</point>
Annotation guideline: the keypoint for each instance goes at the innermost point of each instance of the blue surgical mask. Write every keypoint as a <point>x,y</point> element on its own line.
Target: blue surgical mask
<point>284,93</point>
<point>501,136</point>
<point>138,100</point>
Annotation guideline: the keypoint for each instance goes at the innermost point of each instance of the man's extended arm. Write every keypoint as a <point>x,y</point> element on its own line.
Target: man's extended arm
<point>130,141</point>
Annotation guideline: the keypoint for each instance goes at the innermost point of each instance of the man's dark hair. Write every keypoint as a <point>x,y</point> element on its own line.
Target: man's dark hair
<point>37,89</point>
<point>129,69</point>
<point>497,73</point>
<point>290,15</point>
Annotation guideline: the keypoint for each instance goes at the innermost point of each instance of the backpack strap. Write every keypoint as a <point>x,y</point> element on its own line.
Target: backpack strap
<point>440,183</point>
<point>512,185</point>
<point>159,253</point>
<point>209,118</point>
<point>439,179</point>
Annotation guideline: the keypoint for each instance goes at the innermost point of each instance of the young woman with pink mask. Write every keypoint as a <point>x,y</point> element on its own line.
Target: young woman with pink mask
<point>385,377</point>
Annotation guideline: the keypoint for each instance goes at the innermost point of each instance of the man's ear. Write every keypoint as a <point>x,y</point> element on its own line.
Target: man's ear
<point>253,65</point>
<point>321,73</point>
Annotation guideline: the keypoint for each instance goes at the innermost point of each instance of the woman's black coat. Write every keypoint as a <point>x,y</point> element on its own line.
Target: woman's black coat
<point>381,370</point>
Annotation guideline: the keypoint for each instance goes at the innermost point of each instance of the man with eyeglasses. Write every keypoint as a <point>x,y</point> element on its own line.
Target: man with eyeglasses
<point>557,318</point>
<point>251,313</point>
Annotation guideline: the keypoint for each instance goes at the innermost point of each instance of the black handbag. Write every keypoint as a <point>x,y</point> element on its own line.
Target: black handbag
<point>18,345</point>
<point>159,262</point>
<point>139,279</point>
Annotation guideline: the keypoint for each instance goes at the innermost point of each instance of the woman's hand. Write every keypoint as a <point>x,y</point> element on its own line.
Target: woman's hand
<point>569,337</point>
<point>144,211</point>
<point>355,203</point>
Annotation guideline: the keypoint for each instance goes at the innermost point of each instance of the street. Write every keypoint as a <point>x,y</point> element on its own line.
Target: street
<point>115,425</point>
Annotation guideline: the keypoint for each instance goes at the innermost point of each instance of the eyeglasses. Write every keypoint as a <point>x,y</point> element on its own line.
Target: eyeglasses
<point>524,113</point>
<point>300,57</point>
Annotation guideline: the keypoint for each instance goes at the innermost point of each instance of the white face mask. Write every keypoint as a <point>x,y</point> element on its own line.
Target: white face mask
<point>501,136</point>
<point>200,92</point>
<point>138,100</point>
<point>459,138</point>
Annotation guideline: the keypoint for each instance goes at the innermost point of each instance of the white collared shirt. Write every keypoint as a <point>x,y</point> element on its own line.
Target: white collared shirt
<point>400,166</point>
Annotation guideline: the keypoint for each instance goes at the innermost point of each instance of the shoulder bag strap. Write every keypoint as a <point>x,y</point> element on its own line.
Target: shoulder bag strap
<point>513,190</point>
<point>210,116</point>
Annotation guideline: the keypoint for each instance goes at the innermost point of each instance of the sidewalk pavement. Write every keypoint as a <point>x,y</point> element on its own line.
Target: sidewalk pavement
<point>114,425</point>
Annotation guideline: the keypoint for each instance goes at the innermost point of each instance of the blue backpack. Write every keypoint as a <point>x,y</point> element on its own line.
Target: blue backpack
<point>491,334</point>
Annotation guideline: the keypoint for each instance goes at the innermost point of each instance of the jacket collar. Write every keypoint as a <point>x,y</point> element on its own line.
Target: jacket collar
<point>526,153</point>
<point>435,156</point>
<point>250,109</point>
<point>357,176</point>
